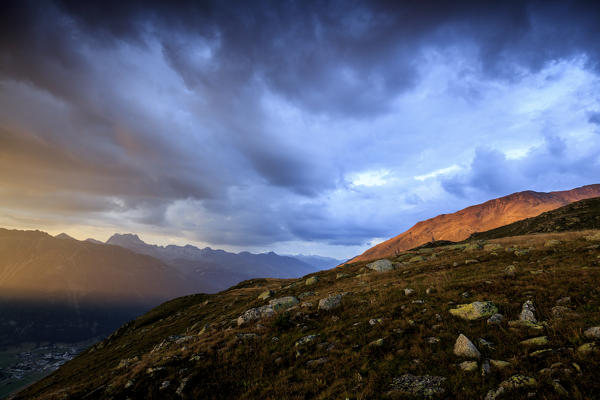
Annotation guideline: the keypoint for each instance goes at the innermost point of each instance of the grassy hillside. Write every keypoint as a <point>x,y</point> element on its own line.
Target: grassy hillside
<point>584,214</point>
<point>380,342</point>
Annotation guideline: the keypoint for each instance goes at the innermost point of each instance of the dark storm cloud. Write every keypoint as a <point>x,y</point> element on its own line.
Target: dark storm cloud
<point>133,106</point>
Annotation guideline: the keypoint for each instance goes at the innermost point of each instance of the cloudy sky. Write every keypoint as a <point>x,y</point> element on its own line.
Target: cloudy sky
<point>296,126</point>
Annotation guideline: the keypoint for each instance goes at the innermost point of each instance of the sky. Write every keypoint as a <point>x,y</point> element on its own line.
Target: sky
<point>315,127</point>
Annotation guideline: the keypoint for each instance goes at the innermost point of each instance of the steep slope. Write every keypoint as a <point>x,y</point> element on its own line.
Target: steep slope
<point>215,270</point>
<point>65,289</point>
<point>375,340</point>
<point>482,217</point>
<point>583,214</point>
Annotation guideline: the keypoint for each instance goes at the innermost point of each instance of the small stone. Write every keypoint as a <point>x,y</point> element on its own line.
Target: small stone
<point>377,343</point>
<point>485,368</point>
<point>317,362</point>
<point>465,348</point>
<point>495,319</point>
<point>433,340</point>
<point>341,275</point>
<point>164,385</point>
<point>468,366</point>
<point>409,292</point>
<point>526,325</point>
<point>375,321</point>
<point>466,295</point>
<point>306,339</point>
<point>563,301</point>
<point>381,266</point>
<point>417,259</point>
<point>528,312</point>
<point>471,261</point>
<point>129,384</point>
<point>559,312</point>
<point>510,271</point>
<point>536,341</point>
<point>552,243</point>
<point>512,383</point>
<point>430,290</point>
<point>499,364</point>
<point>521,252</point>
<point>486,344</point>
<point>592,333</point>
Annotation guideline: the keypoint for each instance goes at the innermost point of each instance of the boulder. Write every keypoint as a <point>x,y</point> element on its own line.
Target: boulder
<point>330,302</point>
<point>266,294</point>
<point>528,312</point>
<point>475,311</point>
<point>255,314</point>
<point>283,303</point>
<point>311,281</point>
<point>465,348</point>
<point>382,265</point>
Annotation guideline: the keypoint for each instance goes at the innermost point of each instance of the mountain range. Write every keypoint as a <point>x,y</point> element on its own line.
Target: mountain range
<point>478,218</point>
<point>216,270</point>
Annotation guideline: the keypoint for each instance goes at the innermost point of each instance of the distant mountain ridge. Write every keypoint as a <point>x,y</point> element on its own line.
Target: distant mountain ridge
<point>216,270</point>
<point>482,217</point>
<point>59,288</point>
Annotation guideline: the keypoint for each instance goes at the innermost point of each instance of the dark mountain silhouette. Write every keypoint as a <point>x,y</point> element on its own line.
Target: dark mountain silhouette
<point>215,270</point>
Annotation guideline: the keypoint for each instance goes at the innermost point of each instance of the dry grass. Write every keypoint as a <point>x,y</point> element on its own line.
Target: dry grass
<point>230,367</point>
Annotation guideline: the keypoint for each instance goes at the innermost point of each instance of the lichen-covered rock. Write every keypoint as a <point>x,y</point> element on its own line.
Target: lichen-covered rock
<point>499,364</point>
<point>535,342</point>
<point>283,303</point>
<point>330,302</point>
<point>587,348</point>
<point>512,383</point>
<point>383,265</point>
<point>417,259</point>
<point>592,333</point>
<point>528,312</point>
<point>311,281</point>
<point>474,311</point>
<point>255,314</point>
<point>468,366</point>
<point>266,294</point>
<point>465,348</point>
<point>526,326</point>
<point>421,386</point>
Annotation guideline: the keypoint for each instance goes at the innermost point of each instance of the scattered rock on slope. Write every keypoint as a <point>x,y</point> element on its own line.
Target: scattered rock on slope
<point>474,311</point>
<point>465,348</point>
